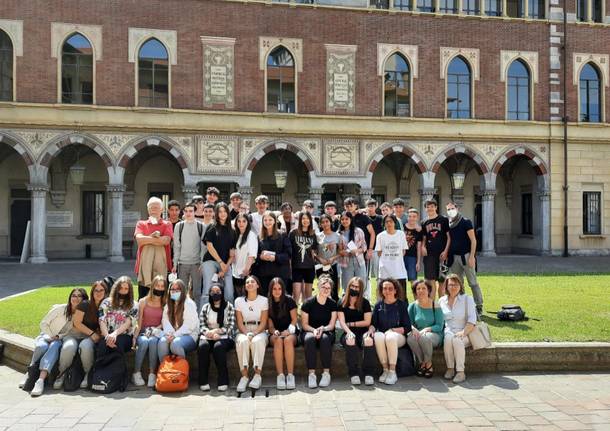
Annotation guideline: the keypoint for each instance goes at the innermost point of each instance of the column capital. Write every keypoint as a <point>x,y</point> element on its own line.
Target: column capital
<point>544,195</point>
<point>42,188</point>
<point>316,190</point>
<point>488,195</point>
<point>245,189</point>
<point>190,188</point>
<point>116,188</point>
<point>427,191</point>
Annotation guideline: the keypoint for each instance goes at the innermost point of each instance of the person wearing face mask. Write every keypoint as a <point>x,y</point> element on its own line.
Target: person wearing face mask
<point>180,323</point>
<point>117,318</point>
<point>148,331</point>
<point>355,315</point>
<point>153,236</point>
<point>217,329</point>
<point>462,252</point>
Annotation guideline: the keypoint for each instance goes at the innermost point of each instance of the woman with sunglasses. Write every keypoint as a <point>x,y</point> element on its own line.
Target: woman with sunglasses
<point>355,318</point>
<point>180,323</point>
<point>86,332</point>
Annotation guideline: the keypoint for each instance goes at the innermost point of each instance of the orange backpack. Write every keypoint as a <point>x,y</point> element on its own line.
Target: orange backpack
<point>173,375</point>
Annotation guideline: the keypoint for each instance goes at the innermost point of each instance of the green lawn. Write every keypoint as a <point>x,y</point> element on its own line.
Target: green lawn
<point>560,308</point>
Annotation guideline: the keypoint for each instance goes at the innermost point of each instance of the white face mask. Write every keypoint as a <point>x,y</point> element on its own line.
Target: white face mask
<point>153,220</point>
<point>452,213</point>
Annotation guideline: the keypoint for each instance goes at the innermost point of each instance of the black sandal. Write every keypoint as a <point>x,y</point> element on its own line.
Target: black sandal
<point>421,371</point>
<point>428,372</point>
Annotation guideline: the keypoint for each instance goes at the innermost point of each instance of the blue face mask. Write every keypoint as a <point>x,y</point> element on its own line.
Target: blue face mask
<point>175,296</point>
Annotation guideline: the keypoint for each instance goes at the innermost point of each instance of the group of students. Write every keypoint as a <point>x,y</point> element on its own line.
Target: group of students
<point>166,322</point>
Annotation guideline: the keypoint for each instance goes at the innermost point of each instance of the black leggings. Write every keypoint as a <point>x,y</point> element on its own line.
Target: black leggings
<point>324,344</point>
<point>358,352</point>
<point>219,349</point>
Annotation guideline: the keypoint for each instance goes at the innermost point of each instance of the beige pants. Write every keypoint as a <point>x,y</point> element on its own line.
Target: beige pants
<point>153,262</point>
<point>254,347</point>
<point>455,351</point>
<point>387,345</point>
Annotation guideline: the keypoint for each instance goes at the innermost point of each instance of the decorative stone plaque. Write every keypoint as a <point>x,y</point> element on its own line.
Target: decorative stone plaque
<point>341,157</point>
<point>218,71</point>
<point>60,219</point>
<point>340,77</point>
<point>217,154</point>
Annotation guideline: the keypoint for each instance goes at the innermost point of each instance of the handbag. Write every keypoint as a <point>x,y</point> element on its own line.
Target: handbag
<point>480,337</point>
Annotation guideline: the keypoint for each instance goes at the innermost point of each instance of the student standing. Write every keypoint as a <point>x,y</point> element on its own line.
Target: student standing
<point>304,246</point>
<point>328,253</point>
<point>435,244</point>
<point>391,248</point>
<point>274,254</point>
<point>352,250</point>
<point>246,251</point>
<point>413,233</point>
<point>262,203</point>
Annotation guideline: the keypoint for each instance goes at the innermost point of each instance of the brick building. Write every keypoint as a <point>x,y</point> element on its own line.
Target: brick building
<point>103,104</point>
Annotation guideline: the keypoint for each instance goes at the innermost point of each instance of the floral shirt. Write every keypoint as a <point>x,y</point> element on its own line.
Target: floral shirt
<point>115,317</point>
<point>360,242</point>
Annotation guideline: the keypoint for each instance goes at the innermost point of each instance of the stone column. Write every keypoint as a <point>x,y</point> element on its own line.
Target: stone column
<point>545,221</point>
<point>315,194</point>
<point>365,194</point>
<point>489,230</point>
<point>425,194</point>
<point>246,194</point>
<point>458,197</point>
<point>39,222</point>
<point>405,197</point>
<point>115,194</point>
<point>189,190</point>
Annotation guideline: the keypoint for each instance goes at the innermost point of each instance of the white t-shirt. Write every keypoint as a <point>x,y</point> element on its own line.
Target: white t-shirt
<point>257,222</point>
<point>251,310</point>
<point>249,249</point>
<point>391,262</point>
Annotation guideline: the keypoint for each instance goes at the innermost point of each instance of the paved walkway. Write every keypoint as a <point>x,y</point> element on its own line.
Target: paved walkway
<point>515,402</point>
<point>15,278</point>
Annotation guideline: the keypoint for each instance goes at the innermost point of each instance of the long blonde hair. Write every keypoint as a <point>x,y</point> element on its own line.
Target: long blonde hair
<point>159,279</point>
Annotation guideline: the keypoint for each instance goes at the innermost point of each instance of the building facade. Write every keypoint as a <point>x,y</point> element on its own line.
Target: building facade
<point>103,105</point>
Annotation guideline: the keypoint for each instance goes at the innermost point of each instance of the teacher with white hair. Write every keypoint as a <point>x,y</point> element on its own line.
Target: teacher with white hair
<point>153,236</point>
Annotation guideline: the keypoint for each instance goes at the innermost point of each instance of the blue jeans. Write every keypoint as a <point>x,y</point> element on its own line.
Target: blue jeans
<point>180,346</point>
<point>146,344</point>
<point>48,353</point>
<point>211,267</point>
<point>411,265</point>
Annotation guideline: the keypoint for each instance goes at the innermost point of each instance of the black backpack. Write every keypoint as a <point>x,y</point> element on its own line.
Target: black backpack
<point>405,366</point>
<point>34,374</point>
<point>74,375</point>
<point>109,373</point>
<point>513,313</point>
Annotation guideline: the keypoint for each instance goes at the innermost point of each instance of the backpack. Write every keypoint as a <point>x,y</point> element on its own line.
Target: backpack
<point>405,365</point>
<point>181,228</point>
<point>172,375</point>
<point>34,373</point>
<point>512,312</point>
<point>74,375</point>
<point>109,373</point>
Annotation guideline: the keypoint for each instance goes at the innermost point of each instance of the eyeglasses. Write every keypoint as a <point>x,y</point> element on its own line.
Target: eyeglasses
<point>99,290</point>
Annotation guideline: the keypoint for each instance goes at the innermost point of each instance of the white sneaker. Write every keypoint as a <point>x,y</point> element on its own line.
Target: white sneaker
<point>38,388</point>
<point>222,388</point>
<point>449,374</point>
<point>256,381</point>
<point>243,384</point>
<point>312,381</point>
<point>383,376</point>
<point>59,382</point>
<point>392,378</point>
<point>204,388</point>
<point>85,382</point>
<point>325,379</point>
<point>23,380</point>
<point>137,379</point>
<point>369,380</point>
<point>152,380</point>
<point>460,377</point>
<point>290,383</point>
<point>355,380</point>
<point>281,382</point>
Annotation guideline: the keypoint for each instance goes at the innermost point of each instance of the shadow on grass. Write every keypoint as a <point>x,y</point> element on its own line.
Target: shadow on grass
<point>495,323</point>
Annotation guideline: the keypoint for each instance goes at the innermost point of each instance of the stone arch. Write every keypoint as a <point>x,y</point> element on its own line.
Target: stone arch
<point>372,163</point>
<point>19,146</point>
<point>57,144</point>
<point>479,161</point>
<point>534,160</point>
<point>273,145</point>
<point>165,143</point>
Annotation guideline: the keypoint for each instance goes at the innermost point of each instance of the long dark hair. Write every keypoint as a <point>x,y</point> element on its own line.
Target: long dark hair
<point>244,237</point>
<point>83,296</point>
<point>282,305</point>
<point>115,302</point>
<point>220,311</point>
<point>310,230</point>
<point>217,222</point>
<point>352,227</point>
<point>93,308</point>
<point>175,309</point>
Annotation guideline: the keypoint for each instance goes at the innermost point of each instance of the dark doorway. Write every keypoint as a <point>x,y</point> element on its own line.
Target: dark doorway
<point>21,210</point>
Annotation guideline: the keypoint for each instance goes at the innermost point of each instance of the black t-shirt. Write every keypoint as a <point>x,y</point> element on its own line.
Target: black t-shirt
<point>319,315</point>
<point>282,323</point>
<point>223,238</point>
<point>303,246</point>
<point>362,221</point>
<point>377,222</point>
<point>352,315</point>
<point>413,237</point>
<point>90,319</point>
<point>436,234</point>
<point>460,242</point>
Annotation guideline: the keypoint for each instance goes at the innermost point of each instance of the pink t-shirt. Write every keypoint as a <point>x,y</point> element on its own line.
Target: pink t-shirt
<point>151,316</point>
<point>145,227</point>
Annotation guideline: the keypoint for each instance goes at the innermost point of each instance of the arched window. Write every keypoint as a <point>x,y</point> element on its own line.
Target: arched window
<point>153,75</point>
<point>396,87</point>
<point>458,89</point>
<point>77,70</point>
<point>590,95</point>
<point>518,86</point>
<point>281,80</point>
<point>6,67</point>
